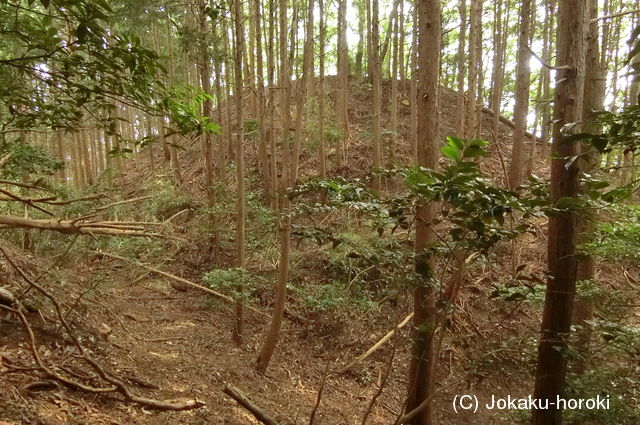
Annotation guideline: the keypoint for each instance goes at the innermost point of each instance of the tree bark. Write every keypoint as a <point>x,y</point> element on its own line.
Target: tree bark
<point>413,87</point>
<point>285,221</point>
<point>207,145</point>
<point>561,248</point>
<point>523,82</point>
<point>460,97</point>
<point>422,363</point>
<point>238,330</point>
<point>375,93</point>
<point>303,90</point>
<point>321,94</point>
<point>343,82</point>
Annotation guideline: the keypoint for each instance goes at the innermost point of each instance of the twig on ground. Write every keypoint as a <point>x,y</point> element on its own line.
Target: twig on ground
<point>244,401</point>
<point>178,279</point>
<point>383,383</point>
<point>377,345</point>
<point>117,384</point>
<point>312,416</point>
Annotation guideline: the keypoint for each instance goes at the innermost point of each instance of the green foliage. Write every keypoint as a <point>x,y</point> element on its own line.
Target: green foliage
<point>333,297</point>
<point>251,128</point>
<point>516,291</point>
<point>59,58</point>
<point>237,282</point>
<point>618,380</point>
<point>370,263</point>
<point>617,239</point>
<point>322,298</point>
<point>184,104</point>
<point>471,217</point>
<point>166,200</point>
<point>617,385</point>
<point>27,159</point>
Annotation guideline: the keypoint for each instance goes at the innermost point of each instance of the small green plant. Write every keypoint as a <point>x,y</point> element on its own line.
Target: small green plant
<point>332,297</point>
<point>239,283</point>
<point>166,200</point>
<point>251,127</point>
<point>617,239</point>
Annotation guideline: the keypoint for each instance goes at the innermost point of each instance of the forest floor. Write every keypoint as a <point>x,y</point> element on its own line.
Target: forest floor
<point>173,344</point>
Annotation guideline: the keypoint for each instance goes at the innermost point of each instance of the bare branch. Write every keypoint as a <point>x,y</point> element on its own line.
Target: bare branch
<point>24,201</point>
<point>377,345</point>
<point>546,65</point>
<point>615,15</point>
<point>5,159</point>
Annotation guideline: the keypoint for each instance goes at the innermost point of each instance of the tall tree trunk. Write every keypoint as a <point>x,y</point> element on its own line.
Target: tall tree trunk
<point>303,89</point>
<point>474,34</point>
<point>273,160</point>
<point>413,87</point>
<point>593,101</point>
<point>63,174</point>
<point>207,145</point>
<point>423,359</point>
<point>523,82</point>
<point>240,207</point>
<point>321,94</point>
<point>477,130</point>
<point>393,110</point>
<point>285,220</point>
<point>359,69</point>
<point>375,92</point>
<point>262,139</point>
<point>401,41</point>
<point>499,62</point>
<point>460,97</point>
<point>173,150</point>
<point>561,248</point>
<point>343,82</point>
<point>545,74</point>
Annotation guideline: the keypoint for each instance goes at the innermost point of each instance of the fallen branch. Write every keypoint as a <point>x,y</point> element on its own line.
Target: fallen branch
<point>615,15</point>
<point>5,159</point>
<point>244,401</point>
<point>118,385</point>
<point>42,200</point>
<point>106,207</point>
<point>71,226</point>
<point>53,200</point>
<point>24,201</point>
<point>35,185</point>
<point>178,279</point>
<point>377,345</point>
<point>312,416</point>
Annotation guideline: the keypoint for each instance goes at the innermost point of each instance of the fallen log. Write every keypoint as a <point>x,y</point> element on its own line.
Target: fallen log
<point>71,226</point>
<point>244,401</point>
